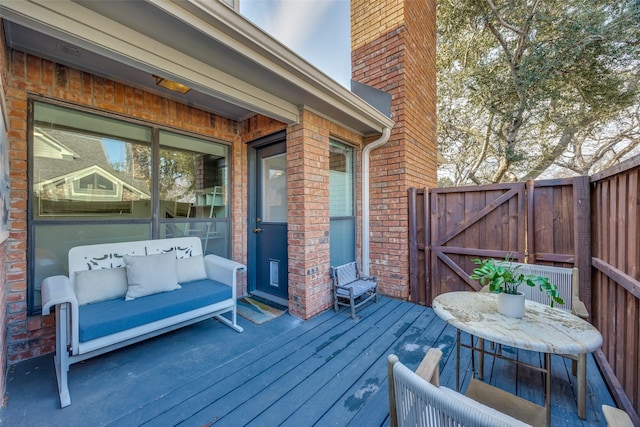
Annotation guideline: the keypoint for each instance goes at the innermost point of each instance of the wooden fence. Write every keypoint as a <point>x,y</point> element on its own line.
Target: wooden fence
<point>615,288</point>
<point>540,222</point>
<point>588,222</point>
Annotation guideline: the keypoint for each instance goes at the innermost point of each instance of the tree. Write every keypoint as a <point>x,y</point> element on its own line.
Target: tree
<point>524,85</point>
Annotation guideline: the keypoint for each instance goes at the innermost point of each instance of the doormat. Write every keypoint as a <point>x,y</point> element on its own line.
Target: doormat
<point>258,310</point>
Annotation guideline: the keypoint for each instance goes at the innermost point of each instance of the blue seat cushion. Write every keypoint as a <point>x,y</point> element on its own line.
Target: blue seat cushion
<point>360,287</point>
<point>115,315</point>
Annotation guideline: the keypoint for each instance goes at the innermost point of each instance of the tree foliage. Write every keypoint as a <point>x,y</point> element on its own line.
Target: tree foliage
<point>525,86</point>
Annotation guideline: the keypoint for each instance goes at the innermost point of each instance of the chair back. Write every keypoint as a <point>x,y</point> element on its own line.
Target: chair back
<point>345,274</point>
<point>418,403</point>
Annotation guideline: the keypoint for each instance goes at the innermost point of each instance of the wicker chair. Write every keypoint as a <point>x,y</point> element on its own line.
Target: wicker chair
<point>350,289</point>
<point>416,402</point>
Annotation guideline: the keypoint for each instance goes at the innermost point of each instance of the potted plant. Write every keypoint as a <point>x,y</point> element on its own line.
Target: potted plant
<point>503,278</point>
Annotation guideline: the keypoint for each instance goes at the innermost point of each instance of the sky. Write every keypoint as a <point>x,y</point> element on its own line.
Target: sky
<point>317,30</point>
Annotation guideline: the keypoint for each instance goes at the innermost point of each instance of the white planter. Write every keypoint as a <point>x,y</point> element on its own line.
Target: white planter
<point>511,305</point>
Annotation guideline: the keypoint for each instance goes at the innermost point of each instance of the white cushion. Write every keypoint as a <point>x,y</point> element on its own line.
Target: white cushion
<point>151,274</point>
<point>100,285</point>
<point>191,269</point>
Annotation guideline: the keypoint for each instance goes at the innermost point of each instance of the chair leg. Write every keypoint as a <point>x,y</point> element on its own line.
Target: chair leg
<point>481,359</point>
<point>582,385</point>
<point>352,302</point>
<point>61,358</point>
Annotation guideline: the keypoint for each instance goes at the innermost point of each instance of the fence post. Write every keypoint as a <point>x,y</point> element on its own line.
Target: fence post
<point>531,232</point>
<point>428,282</point>
<point>582,236</point>
<point>413,247</point>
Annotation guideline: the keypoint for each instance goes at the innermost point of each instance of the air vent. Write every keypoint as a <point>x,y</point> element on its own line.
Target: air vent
<point>69,50</point>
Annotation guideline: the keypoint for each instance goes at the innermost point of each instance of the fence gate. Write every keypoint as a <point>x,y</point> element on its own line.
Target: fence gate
<point>534,222</point>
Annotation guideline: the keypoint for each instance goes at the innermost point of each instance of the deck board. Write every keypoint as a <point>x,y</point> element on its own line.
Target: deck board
<point>327,371</point>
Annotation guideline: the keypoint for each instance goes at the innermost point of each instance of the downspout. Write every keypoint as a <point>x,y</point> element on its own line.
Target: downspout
<point>366,153</point>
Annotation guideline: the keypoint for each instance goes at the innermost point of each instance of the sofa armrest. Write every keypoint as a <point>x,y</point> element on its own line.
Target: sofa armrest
<point>578,308</point>
<point>223,270</point>
<point>57,290</point>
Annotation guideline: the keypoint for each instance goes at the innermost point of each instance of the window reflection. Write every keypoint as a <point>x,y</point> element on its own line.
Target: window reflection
<point>192,185</point>
<point>78,174</point>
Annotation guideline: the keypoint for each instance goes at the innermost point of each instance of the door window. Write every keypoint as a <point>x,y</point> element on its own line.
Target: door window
<point>274,191</point>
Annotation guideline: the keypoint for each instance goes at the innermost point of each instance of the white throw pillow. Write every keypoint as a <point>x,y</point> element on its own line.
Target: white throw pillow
<point>191,269</point>
<point>151,274</point>
<point>100,285</point>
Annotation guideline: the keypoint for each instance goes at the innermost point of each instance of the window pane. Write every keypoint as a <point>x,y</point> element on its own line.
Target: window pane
<point>83,174</point>
<point>342,230</point>
<point>52,244</point>
<point>274,191</point>
<point>342,235</point>
<point>340,180</point>
<point>192,183</point>
<point>53,116</point>
<point>214,234</point>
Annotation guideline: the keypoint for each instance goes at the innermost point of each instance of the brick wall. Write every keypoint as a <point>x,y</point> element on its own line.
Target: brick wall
<point>3,315</point>
<point>308,198</point>
<point>393,49</point>
<point>4,71</point>
<point>310,289</point>
<point>29,337</point>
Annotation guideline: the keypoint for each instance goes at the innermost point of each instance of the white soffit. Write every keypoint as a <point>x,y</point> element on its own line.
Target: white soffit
<point>76,25</point>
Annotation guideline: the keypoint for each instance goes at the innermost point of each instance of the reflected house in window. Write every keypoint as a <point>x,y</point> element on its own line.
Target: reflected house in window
<point>77,176</point>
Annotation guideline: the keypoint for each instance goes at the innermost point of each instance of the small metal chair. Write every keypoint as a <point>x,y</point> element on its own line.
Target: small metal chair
<point>350,289</point>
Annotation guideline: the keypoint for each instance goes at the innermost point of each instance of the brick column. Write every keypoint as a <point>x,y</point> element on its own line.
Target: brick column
<point>308,198</point>
<point>393,49</point>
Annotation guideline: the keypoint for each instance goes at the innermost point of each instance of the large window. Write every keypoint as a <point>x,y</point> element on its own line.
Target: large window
<point>341,204</point>
<point>98,179</point>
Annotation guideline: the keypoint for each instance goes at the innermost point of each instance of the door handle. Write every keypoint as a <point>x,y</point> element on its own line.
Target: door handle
<point>257,230</point>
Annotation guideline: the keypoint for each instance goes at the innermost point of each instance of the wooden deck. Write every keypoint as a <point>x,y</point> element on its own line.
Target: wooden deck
<point>326,371</point>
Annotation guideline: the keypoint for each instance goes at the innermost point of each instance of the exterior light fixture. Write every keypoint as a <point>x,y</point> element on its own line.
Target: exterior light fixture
<point>171,85</point>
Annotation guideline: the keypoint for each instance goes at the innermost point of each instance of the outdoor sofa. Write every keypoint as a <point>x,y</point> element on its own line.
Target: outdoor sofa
<point>117,294</point>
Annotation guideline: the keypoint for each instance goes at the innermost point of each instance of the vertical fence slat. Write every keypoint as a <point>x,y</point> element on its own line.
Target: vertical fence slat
<point>413,247</point>
<point>531,245</point>
<point>427,248</point>
<point>582,237</point>
<point>520,223</point>
<point>434,222</point>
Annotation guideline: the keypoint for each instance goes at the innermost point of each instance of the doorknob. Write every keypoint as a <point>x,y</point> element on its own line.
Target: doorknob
<point>257,230</point>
